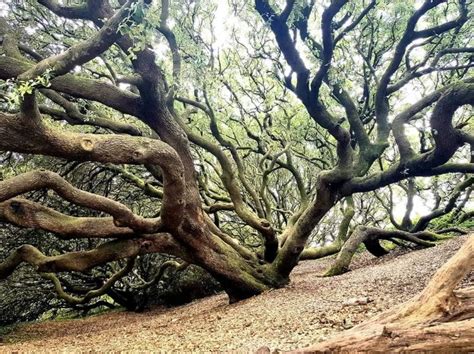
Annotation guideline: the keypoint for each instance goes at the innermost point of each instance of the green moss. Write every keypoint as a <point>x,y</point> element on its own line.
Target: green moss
<point>335,269</point>
<point>388,245</point>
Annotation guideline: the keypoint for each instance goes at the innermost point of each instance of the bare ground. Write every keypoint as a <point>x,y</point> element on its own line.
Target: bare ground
<point>309,310</point>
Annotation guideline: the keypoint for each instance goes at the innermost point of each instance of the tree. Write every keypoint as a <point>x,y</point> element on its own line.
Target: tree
<point>249,154</point>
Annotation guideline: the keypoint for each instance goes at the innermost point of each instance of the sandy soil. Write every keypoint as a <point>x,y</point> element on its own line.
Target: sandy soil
<point>309,310</point>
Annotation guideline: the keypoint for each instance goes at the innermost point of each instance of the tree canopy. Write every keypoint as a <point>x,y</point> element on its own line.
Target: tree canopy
<point>239,136</point>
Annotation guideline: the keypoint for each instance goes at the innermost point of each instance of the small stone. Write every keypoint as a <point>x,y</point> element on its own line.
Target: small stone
<point>347,323</point>
<point>355,301</point>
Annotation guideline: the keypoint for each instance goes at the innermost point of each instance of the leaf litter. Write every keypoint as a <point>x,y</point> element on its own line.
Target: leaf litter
<point>307,311</point>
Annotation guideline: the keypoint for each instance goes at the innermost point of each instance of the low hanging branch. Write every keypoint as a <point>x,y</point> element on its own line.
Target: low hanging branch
<point>25,132</point>
<point>370,237</point>
<point>36,180</point>
<point>92,293</point>
<point>25,213</point>
<point>84,260</point>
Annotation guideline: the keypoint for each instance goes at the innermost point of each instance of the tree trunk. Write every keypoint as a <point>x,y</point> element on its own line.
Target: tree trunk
<point>370,237</point>
<point>333,248</point>
<point>240,272</point>
<point>438,319</point>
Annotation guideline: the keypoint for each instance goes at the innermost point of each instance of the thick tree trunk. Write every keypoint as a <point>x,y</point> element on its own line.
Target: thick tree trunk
<point>240,272</point>
<point>438,319</point>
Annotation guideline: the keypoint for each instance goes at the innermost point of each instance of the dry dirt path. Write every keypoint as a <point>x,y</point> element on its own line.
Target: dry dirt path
<point>307,311</point>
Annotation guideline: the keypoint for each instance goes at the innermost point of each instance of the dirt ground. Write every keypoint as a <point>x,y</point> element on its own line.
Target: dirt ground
<point>309,310</point>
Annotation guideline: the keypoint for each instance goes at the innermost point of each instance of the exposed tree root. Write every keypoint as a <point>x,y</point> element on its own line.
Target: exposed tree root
<point>444,337</point>
<point>438,319</point>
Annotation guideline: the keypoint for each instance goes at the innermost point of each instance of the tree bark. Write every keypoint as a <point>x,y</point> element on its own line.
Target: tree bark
<point>370,237</point>
<point>438,319</point>
<point>183,223</point>
<point>333,248</point>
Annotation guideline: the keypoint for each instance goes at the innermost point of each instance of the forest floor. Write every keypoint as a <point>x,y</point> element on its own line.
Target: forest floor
<point>309,310</point>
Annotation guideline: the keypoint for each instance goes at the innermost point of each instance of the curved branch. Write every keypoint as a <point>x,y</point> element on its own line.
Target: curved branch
<point>25,213</point>
<point>161,271</point>
<point>82,261</point>
<point>147,188</point>
<point>73,116</point>
<point>282,35</point>
<point>370,236</point>
<point>92,293</point>
<point>36,180</point>
<point>356,21</point>
<point>447,141</point>
<point>80,87</point>
<point>381,99</point>
<point>82,52</point>
<point>25,133</point>
<point>424,221</point>
<point>79,11</point>
<point>413,74</point>
<point>328,45</point>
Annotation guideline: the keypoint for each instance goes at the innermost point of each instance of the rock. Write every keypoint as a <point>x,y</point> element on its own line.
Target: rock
<point>355,301</point>
<point>347,323</point>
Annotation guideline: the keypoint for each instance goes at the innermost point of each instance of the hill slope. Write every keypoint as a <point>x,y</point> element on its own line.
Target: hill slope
<point>309,310</point>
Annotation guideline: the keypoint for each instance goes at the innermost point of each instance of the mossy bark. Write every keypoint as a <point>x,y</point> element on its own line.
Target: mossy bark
<point>370,237</point>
